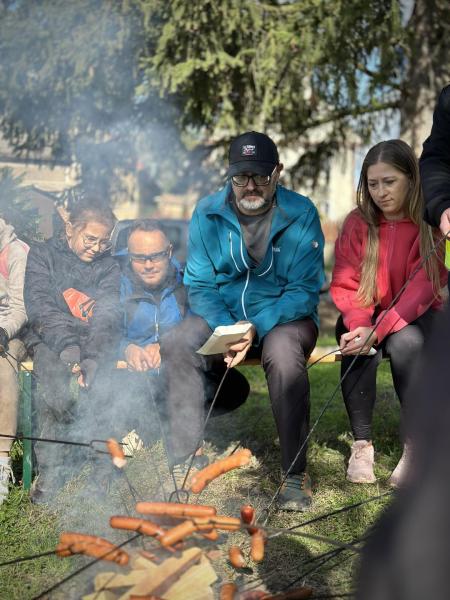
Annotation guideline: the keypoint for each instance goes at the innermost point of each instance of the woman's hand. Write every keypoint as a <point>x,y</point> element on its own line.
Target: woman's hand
<point>358,341</point>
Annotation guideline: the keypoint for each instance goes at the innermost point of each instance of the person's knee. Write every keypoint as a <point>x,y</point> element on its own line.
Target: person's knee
<point>405,344</point>
<point>283,354</point>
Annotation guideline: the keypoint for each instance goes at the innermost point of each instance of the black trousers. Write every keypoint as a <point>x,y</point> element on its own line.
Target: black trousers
<point>359,388</point>
<point>64,411</point>
<point>284,352</point>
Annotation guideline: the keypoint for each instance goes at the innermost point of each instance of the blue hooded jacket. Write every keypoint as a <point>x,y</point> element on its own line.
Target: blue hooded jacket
<point>146,316</point>
<point>222,285</point>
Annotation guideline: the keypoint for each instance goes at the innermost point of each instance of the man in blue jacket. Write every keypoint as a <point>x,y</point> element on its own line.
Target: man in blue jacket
<point>255,254</point>
<point>154,302</point>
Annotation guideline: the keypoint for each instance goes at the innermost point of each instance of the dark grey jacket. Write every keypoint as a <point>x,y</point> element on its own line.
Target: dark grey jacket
<point>51,269</point>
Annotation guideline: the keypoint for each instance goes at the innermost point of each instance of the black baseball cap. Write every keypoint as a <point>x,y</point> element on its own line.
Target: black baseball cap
<point>252,152</point>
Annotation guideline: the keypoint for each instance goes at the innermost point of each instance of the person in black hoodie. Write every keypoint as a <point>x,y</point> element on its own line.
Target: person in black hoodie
<point>407,555</point>
<point>435,166</point>
<point>71,298</point>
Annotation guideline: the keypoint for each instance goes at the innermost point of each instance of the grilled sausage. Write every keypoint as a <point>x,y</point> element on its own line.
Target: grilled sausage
<point>257,545</point>
<point>201,479</point>
<point>236,557</point>
<point>228,591</point>
<point>173,509</point>
<point>133,524</point>
<point>178,533</point>
<point>77,543</point>
<point>116,451</point>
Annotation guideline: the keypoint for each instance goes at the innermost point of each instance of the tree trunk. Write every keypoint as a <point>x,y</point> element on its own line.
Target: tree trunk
<point>428,69</point>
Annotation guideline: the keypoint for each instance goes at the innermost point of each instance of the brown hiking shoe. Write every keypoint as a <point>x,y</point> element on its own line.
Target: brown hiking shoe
<point>360,464</point>
<point>402,471</point>
<point>296,493</point>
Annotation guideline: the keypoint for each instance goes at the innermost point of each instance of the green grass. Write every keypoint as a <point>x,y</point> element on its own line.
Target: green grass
<point>26,529</point>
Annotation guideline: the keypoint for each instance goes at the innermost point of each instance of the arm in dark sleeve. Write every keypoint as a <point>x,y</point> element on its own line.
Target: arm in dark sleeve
<point>56,327</point>
<point>105,326</point>
<point>435,162</point>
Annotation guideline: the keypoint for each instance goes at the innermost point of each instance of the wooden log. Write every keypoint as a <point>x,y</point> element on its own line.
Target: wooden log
<point>109,581</point>
<point>161,579</point>
<point>194,584</point>
<point>105,595</point>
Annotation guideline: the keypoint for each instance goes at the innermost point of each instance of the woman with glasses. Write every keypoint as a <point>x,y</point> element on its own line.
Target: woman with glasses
<point>386,306</point>
<point>72,301</point>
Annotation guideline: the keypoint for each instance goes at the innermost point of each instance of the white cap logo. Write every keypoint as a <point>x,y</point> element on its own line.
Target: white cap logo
<point>248,150</point>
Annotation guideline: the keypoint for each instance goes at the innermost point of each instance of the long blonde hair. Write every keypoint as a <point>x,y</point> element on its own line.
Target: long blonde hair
<point>400,156</point>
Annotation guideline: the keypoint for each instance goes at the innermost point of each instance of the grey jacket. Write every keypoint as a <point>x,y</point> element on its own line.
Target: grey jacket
<point>13,259</point>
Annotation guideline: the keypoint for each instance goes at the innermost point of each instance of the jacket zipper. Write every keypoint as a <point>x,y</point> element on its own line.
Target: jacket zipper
<point>246,280</point>
<point>231,252</point>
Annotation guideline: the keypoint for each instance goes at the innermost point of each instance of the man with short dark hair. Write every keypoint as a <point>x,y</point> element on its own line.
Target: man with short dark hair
<point>255,254</point>
<point>152,294</point>
<point>154,301</point>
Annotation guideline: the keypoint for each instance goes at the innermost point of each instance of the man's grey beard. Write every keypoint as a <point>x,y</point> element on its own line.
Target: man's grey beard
<point>253,204</point>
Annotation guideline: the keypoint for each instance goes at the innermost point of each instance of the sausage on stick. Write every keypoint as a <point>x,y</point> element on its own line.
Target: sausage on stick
<point>174,509</point>
<point>236,557</point>
<point>201,479</point>
<point>77,543</point>
<point>300,593</point>
<point>116,452</point>
<point>257,545</point>
<point>133,524</point>
<point>248,517</point>
<point>178,533</point>
<point>228,591</point>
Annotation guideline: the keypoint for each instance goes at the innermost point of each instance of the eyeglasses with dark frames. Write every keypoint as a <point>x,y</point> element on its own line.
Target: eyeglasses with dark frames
<point>242,180</point>
<point>155,257</point>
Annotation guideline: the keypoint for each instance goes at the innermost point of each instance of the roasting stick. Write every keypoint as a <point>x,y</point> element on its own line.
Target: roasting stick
<point>322,558</point>
<point>200,441</point>
<point>15,561</point>
<point>54,441</point>
<point>50,553</point>
<point>337,512</point>
<point>200,515</point>
<point>346,508</point>
<point>164,441</point>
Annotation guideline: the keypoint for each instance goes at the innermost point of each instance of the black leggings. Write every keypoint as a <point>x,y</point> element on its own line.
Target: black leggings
<point>359,387</point>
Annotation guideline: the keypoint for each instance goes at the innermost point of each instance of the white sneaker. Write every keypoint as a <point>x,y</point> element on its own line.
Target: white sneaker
<point>360,464</point>
<point>401,472</point>
<point>6,475</point>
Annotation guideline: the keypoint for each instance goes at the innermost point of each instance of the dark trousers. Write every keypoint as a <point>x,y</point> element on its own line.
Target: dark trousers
<point>140,399</point>
<point>283,352</point>
<point>65,412</point>
<point>359,388</point>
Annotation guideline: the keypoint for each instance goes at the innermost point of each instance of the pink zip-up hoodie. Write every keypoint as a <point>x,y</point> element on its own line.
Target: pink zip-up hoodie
<point>398,257</point>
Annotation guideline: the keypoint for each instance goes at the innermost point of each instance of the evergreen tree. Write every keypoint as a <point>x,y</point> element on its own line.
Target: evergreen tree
<point>16,208</point>
<point>108,82</point>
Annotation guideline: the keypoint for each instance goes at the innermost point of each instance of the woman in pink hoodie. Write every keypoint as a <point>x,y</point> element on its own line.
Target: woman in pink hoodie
<point>381,243</point>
